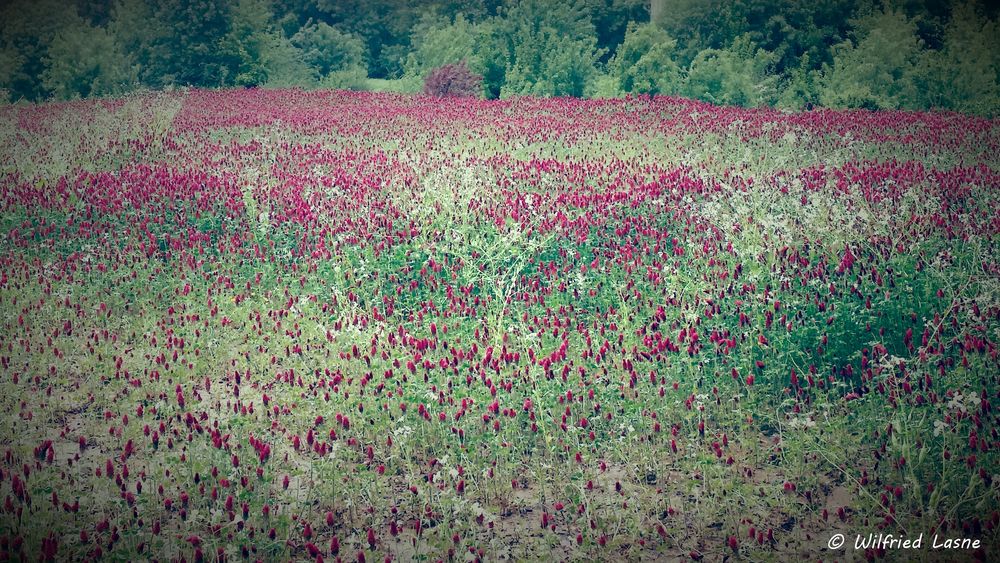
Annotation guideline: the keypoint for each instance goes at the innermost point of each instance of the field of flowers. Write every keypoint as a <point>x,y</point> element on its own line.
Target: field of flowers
<point>286,325</point>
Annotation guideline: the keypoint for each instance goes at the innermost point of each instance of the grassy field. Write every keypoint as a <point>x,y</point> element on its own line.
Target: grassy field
<point>398,85</point>
<point>288,325</point>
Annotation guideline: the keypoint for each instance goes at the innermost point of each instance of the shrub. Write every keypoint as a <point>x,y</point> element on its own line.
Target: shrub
<point>876,69</point>
<point>348,79</point>
<point>440,42</point>
<point>645,62</point>
<point>962,75</point>
<point>453,80</point>
<point>739,75</point>
<point>329,51</point>
<point>550,64</point>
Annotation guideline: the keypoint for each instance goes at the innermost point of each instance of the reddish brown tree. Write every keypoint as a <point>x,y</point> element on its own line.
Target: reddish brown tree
<point>453,80</point>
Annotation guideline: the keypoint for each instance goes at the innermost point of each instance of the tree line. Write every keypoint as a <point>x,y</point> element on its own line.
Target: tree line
<point>908,54</point>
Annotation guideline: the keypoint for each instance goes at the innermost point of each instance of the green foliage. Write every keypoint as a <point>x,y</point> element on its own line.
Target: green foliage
<point>492,56</point>
<point>788,28</point>
<point>645,62</point>
<point>739,75</point>
<point>553,50</point>
<point>524,18</point>
<point>265,54</point>
<point>347,79</point>
<point>698,25</point>
<point>10,63</point>
<point>611,19</point>
<point>437,42</point>
<point>605,86</point>
<point>876,69</point>
<point>27,29</point>
<point>329,52</point>
<point>86,61</point>
<point>963,75</point>
<point>191,52</point>
<point>551,65</point>
<point>285,65</point>
<point>140,33</point>
<point>250,37</point>
<point>530,48</point>
<point>840,53</point>
<point>382,25</point>
<point>798,90</point>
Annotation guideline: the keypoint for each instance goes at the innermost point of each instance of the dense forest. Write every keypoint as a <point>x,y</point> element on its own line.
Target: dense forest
<point>908,54</point>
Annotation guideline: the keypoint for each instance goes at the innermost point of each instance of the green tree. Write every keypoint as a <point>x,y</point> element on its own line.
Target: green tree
<point>336,58</point>
<point>186,44</point>
<point>251,34</point>
<point>799,34</point>
<point>83,61</point>
<point>964,74</point>
<point>789,29</point>
<point>10,66</point>
<point>876,69</point>
<point>492,55</point>
<point>611,19</point>
<point>141,34</point>
<point>284,64</point>
<point>383,26</point>
<point>552,50</point>
<point>551,65</point>
<point>740,75</point>
<point>437,42</point>
<point>697,25</point>
<point>645,62</point>
<point>27,29</point>
<point>798,88</point>
<point>527,17</point>
<point>264,55</point>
